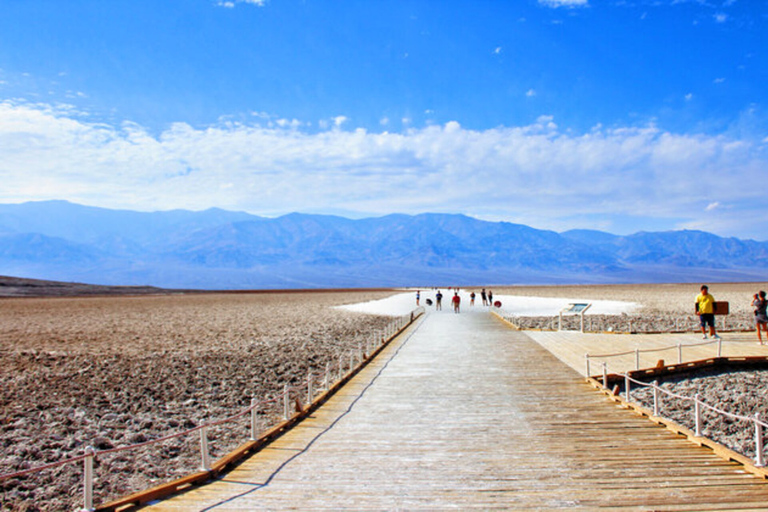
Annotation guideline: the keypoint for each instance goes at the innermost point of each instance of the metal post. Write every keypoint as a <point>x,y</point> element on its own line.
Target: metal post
<point>759,460</point>
<point>655,398</point>
<point>351,360</point>
<point>627,384</point>
<point>90,453</point>
<point>630,327</point>
<point>560,322</point>
<point>586,356</point>
<point>582,322</point>
<point>720,347</point>
<point>679,353</point>
<point>327,382</point>
<point>362,354</point>
<point>286,403</point>
<point>341,367</point>
<point>254,420</point>
<point>605,375</point>
<point>205,454</point>
<point>697,412</point>
<point>637,359</point>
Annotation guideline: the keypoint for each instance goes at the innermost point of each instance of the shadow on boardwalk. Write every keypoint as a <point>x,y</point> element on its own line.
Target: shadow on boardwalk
<point>462,412</point>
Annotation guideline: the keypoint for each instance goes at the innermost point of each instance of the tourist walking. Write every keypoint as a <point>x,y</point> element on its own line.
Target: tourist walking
<point>456,301</point>
<point>418,296</point>
<point>484,296</point>
<point>761,316</point>
<point>490,298</point>
<point>472,299</point>
<point>705,308</point>
<point>438,301</point>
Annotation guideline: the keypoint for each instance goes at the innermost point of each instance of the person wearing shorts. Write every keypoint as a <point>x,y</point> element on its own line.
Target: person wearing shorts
<point>456,301</point>
<point>761,316</point>
<point>705,308</point>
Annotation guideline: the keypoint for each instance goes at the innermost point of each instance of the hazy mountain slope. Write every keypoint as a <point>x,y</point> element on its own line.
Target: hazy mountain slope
<point>220,249</point>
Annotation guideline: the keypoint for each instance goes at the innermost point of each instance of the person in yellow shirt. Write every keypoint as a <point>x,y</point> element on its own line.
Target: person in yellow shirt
<point>705,308</point>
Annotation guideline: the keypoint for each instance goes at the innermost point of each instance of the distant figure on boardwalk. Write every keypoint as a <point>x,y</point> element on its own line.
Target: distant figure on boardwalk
<point>472,299</point>
<point>705,308</point>
<point>456,301</point>
<point>484,297</point>
<point>761,316</point>
<point>490,298</point>
<point>439,301</point>
<point>418,296</point>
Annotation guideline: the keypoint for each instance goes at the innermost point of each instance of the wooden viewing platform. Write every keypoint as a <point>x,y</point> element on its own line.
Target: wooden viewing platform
<point>461,412</point>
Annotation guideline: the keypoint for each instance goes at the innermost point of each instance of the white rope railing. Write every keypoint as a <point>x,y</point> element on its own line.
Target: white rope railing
<point>347,364</point>
<point>638,351</point>
<point>698,405</point>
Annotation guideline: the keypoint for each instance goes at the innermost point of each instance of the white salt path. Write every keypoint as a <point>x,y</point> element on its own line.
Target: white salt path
<point>514,305</point>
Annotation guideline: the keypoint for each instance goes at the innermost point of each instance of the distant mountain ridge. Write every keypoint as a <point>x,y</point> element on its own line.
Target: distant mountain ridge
<point>219,249</point>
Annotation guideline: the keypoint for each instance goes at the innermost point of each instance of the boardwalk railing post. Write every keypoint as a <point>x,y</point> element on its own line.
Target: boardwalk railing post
<point>605,375</point>
<point>586,356</point>
<point>88,479</point>
<point>286,403</point>
<point>627,384</point>
<point>759,460</point>
<point>327,383</point>
<point>310,391</point>
<point>719,347</point>
<point>679,353</point>
<point>637,359</point>
<point>655,385</point>
<point>254,420</point>
<point>205,454</point>
<point>697,412</point>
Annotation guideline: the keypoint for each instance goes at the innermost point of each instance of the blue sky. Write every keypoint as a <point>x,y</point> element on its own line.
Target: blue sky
<point>614,115</point>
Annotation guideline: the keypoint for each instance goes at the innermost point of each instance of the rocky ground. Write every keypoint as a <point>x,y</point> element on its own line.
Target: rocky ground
<point>115,371</point>
<point>740,393</point>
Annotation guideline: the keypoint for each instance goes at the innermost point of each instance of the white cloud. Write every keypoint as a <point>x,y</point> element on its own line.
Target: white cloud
<point>721,17</point>
<point>536,174</point>
<point>564,3</point>
<point>497,50</point>
<point>531,93</point>
<point>712,206</point>
<point>689,96</point>
<point>230,4</point>
<point>718,80</point>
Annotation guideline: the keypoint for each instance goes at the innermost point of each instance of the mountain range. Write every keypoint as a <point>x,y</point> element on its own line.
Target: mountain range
<point>219,249</point>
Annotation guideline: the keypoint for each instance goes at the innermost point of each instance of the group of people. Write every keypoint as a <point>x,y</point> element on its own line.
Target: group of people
<point>486,296</point>
<point>706,308</point>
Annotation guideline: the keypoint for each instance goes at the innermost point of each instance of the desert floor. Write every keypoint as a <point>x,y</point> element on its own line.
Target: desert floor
<point>115,371</point>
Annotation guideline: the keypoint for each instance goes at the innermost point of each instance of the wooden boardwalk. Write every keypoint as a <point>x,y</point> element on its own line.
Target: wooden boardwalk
<point>463,413</point>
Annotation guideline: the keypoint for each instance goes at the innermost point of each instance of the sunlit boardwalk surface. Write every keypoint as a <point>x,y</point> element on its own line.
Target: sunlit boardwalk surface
<point>462,412</point>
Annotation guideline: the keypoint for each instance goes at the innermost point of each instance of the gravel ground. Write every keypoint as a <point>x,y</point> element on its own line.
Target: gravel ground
<point>116,371</point>
<point>741,393</point>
